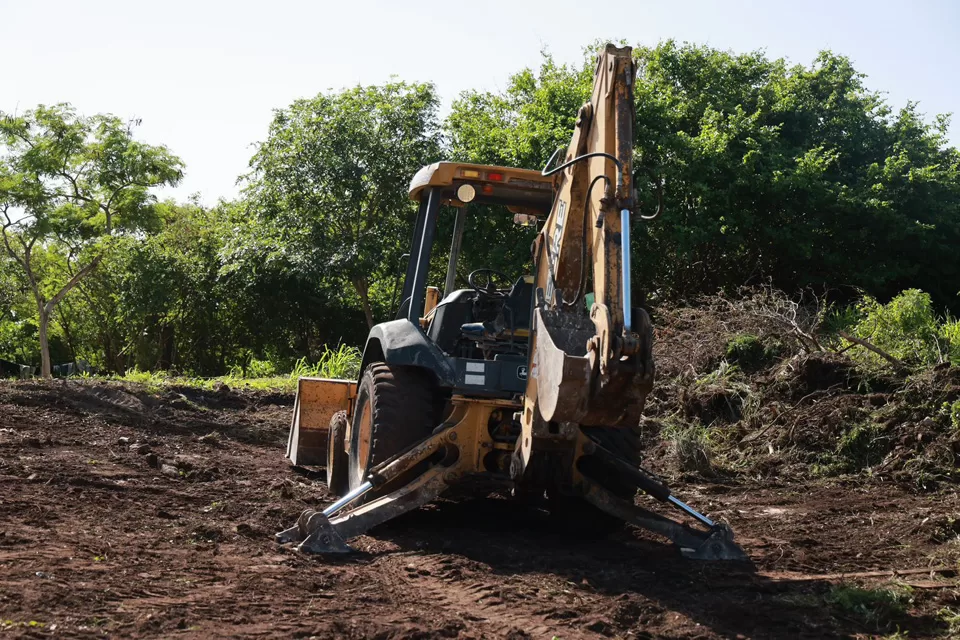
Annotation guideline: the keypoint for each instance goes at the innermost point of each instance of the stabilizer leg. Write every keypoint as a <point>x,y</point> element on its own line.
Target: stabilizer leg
<point>315,534</point>
<point>715,544</point>
<point>325,532</point>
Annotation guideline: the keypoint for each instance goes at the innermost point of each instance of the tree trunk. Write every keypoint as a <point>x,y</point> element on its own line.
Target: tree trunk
<point>166,347</point>
<point>68,336</point>
<point>46,370</point>
<point>45,308</point>
<point>363,290</point>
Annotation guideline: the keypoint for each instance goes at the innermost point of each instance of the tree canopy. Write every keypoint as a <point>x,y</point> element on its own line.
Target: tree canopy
<point>796,175</point>
<point>772,172</point>
<point>66,183</point>
<point>332,176</point>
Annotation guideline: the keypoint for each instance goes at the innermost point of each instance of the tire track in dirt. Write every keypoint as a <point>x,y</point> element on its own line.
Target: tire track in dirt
<point>94,540</point>
<point>494,607</point>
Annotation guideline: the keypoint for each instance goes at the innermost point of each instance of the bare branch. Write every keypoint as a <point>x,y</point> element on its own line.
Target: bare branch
<point>872,347</point>
<point>72,283</point>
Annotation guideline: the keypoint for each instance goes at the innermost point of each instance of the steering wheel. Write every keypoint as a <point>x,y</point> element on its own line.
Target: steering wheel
<point>482,281</point>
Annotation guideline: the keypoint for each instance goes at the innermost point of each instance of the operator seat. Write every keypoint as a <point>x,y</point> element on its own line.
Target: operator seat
<point>514,317</point>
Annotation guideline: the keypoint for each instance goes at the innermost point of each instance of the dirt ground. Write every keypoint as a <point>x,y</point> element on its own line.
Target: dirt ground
<point>126,513</point>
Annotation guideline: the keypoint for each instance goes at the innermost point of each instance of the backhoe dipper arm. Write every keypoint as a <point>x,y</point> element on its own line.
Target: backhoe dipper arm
<point>595,191</point>
<point>591,366</point>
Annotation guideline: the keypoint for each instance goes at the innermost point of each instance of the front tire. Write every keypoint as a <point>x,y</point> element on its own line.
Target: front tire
<point>396,408</point>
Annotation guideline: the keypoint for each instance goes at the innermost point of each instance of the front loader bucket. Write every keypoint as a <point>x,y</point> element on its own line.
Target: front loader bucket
<point>317,400</point>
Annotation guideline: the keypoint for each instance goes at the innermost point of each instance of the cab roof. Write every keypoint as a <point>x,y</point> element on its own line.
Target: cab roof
<point>525,184</point>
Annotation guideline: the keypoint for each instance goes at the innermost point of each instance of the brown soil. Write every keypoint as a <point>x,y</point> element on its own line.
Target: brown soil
<point>100,537</point>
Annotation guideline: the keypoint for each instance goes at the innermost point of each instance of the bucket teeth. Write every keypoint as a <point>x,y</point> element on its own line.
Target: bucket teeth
<point>315,534</point>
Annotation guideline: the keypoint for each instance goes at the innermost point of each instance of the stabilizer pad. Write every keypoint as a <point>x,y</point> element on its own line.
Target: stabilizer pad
<point>315,534</point>
<point>719,545</point>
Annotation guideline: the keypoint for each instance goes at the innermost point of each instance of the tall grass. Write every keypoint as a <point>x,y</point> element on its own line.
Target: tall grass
<point>342,362</point>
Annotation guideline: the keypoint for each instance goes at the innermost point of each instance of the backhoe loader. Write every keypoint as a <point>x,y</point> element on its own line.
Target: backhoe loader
<point>528,384</point>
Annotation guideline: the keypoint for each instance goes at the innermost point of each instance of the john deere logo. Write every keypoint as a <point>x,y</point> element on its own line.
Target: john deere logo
<point>522,372</point>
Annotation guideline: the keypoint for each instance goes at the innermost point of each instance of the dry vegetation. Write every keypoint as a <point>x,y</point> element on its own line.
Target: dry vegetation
<point>757,386</point>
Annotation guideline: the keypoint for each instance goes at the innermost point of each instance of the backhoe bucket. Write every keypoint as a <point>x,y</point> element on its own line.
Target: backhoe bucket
<point>565,369</point>
<point>317,400</point>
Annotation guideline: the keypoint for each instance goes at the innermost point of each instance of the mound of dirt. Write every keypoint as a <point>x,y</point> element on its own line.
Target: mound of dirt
<point>179,409</point>
<point>793,411</point>
<point>808,373</point>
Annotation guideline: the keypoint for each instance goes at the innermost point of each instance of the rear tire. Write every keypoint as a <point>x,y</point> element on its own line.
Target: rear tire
<point>576,515</point>
<point>396,408</point>
<point>623,442</point>
<point>336,454</point>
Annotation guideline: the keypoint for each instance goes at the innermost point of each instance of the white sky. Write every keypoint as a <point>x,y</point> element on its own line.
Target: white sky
<point>204,75</point>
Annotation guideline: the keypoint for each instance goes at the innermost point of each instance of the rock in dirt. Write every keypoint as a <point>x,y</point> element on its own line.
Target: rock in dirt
<point>181,401</point>
<point>187,462</point>
<point>285,487</point>
<point>169,470</point>
<point>211,438</point>
<point>208,533</point>
<point>140,448</point>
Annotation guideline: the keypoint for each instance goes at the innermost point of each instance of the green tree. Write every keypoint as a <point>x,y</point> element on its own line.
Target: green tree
<point>67,182</point>
<point>331,180</point>
<point>796,174</point>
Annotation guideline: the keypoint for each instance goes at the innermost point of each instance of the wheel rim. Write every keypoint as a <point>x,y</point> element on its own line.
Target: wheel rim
<point>363,442</point>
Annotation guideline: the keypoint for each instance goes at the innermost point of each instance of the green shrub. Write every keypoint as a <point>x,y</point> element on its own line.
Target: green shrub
<point>952,412</point>
<point>749,352</point>
<point>342,362</point>
<point>840,318</point>
<point>906,327</point>
<point>952,619</point>
<point>951,336</point>
<point>863,445</point>
<point>871,605</point>
<point>692,446</point>
<point>261,369</point>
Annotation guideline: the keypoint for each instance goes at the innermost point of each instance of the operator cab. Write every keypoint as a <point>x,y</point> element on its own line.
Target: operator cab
<point>484,327</point>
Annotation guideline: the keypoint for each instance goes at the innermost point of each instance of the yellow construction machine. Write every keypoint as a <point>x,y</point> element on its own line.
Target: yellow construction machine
<point>528,384</point>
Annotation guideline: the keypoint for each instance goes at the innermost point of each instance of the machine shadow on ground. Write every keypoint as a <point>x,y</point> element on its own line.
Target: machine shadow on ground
<point>728,598</point>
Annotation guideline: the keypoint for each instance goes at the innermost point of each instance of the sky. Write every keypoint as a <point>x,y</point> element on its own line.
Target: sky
<point>204,76</point>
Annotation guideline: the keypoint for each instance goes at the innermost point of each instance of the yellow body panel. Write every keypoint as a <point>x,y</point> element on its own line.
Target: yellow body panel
<point>317,400</point>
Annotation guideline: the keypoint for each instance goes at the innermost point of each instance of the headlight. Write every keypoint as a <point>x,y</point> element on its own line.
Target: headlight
<point>466,193</point>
